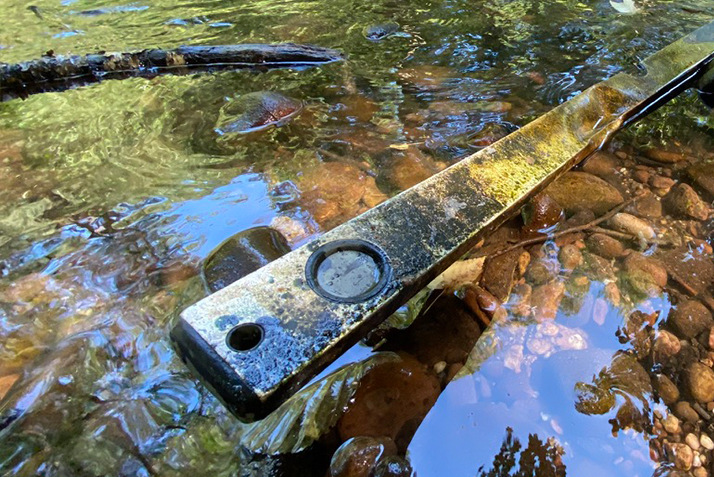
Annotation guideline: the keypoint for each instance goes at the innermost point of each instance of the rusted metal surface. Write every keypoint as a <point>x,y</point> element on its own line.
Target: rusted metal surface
<point>262,337</point>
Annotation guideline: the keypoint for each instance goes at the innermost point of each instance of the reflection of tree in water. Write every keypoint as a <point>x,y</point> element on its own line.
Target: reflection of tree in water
<point>538,459</point>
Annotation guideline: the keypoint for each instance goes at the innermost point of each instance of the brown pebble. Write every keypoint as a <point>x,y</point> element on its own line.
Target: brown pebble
<point>667,157</point>
<point>389,397</point>
<point>646,206</point>
<point>641,176</point>
<point>684,411</point>
<point>540,213</point>
<point>577,190</point>
<point>570,257</point>
<point>602,164</point>
<point>545,300</point>
<point>666,345</point>
<point>661,182</point>
<point>671,424</point>
<point>605,246</point>
<point>692,441</point>
<point>690,318</point>
<point>666,389</point>
<point>682,200</point>
<point>630,224</point>
<point>358,456</point>
<point>701,382</point>
<point>683,456</point>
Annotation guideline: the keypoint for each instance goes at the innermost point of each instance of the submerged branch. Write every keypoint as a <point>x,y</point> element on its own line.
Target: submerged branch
<point>56,73</point>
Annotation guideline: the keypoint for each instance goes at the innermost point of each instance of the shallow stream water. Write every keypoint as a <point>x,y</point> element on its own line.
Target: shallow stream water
<point>112,194</point>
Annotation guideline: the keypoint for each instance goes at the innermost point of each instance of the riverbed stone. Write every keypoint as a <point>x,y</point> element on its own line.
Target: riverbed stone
<point>700,379</point>
<point>605,246</point>
<point>666,389</point>
<point>666,345</point>
<point>242,254</point>
<point>446,333</point>
<point>685,412</point>
<point>542,271</point>
<point>570,257</point>
<point>703,176</point>
<point>334,192</point>
<point>602,164</point>
<point>540,213</point>
<point>409,168</point>
<point>683,456</point>
<point>690,318</point>
<point>575,190</point>
<point>683,201</point>
<point>499,272</point>
<point>624,222</point>
<point>671,424</point>
<point>692,441</point>
<point>647,206</point>
<point>380,31</point>
<point>665,156</point>
<point>255,111</point>
<point>545,300</point>
<point>661,182</point>
<point>358,456</point>
<point>393,466</point>
<point>644,275</point>
<point>651,266</point>
<point>391,400</point>
<point>597,267</point>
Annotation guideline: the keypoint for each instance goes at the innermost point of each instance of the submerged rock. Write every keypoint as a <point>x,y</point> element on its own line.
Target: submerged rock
<point>665,156</point>
<point>602,164</point>
<point>545,300</point>
<point>447,332</point>
<point>256,111</point>
<point>394,466</point>
<point>541,212</point>
<point>700,378</point>
<point>391,401</point>
<point>682,200</point>
<point>646,206</point>
<point>410,168</point>
<point>334,192</point>
<point>242,254</point>
<point>703,176</point>
<point>685,412</point>
<point>666,389</point>
<point>357,457</point>
<point>630,224</point>
<point>666,345</point>
<point>605,246</point>
<point>638,262</point>
<point>380,31</point>
<point>499,273</point>
<point>577,190</point>
<point>690,318</point>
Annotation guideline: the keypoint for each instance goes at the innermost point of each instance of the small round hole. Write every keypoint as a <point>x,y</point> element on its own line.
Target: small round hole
<point>245,337</point>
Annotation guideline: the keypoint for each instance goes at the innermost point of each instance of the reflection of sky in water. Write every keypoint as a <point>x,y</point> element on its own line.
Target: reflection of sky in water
<point>534,394</point>
<point>201,224</point>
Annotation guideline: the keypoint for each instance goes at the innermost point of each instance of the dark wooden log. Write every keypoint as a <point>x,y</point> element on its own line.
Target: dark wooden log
<point>56,73</point>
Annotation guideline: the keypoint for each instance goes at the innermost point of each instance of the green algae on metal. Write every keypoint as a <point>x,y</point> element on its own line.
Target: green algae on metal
<point>420,232</point>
